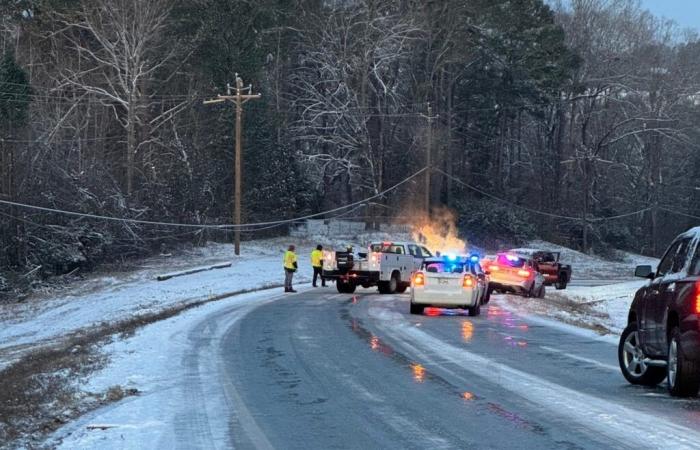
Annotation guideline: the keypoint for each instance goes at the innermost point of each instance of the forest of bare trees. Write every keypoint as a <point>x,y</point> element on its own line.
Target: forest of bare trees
<point>575,121</point>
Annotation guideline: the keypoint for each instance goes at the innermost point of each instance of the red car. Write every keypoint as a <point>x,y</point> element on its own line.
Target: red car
<point>512,272</point>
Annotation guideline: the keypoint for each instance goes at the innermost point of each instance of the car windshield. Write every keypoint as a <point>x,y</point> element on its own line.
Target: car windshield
<point>545,257</point>
<point>510,261</point>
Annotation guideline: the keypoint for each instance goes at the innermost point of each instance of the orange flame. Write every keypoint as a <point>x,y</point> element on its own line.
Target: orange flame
<point>440,234</point>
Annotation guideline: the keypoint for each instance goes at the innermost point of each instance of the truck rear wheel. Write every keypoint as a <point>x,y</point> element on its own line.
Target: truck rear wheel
<point>561,282</point>
<point>402,288</point>
<point>389,287</point>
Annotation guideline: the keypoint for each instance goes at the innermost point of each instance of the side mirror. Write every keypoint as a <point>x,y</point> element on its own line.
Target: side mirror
<point>644,272</point>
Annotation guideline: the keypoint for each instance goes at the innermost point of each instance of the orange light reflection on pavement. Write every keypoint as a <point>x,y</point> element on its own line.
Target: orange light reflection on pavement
<point>467,330</point>
<point>418,372</point>
<point>374,343</point>
<point>467,396</point>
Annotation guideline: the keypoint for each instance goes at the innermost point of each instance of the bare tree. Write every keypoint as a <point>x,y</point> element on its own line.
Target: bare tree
<point>121,45</point>
<point>347,83</point>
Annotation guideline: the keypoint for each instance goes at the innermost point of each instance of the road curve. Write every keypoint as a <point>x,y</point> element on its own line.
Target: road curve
<point>325,370</point>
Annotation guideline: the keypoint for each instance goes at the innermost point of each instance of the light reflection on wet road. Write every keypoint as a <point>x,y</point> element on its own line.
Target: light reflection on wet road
<point>334,371</point>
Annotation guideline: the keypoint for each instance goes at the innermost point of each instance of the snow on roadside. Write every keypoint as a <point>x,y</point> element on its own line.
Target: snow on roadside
<point>161,364</point>
<point>109,299</point>
<point>602,308</point>
<point>611,301</point>
<point>594,267</point>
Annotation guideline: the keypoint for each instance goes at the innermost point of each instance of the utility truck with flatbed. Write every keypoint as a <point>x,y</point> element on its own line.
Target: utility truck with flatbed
<point>387,265</point>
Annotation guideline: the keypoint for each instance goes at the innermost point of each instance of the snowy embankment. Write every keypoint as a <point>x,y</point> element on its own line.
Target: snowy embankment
<point>586,302</point>
<point>43,320</point>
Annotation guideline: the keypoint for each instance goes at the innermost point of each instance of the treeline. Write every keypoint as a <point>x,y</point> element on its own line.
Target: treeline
<point>574,122</point>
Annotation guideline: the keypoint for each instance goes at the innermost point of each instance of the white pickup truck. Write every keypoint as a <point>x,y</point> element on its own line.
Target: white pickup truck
<point>387,265</point>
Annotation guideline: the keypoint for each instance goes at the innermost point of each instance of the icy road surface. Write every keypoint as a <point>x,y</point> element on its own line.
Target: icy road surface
<point>323,370</point>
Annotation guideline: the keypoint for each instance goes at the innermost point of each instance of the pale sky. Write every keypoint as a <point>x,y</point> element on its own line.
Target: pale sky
<point>685,12</point>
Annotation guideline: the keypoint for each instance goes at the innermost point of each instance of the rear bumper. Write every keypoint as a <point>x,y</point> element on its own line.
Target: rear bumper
<point>330,274</point>
<point>518,288</point>
<point>355,277</point>
<point>449,299</point>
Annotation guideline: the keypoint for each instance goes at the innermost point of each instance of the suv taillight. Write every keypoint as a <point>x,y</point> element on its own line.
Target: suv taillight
<point>696,306</point>
<point>419,279</point>
<point>468,282</point>
<point>524,273</point>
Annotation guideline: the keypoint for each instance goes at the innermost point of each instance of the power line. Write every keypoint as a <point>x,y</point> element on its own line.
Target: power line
<point>534,211</point>
<point>678,213</point>
<point>207,226</point>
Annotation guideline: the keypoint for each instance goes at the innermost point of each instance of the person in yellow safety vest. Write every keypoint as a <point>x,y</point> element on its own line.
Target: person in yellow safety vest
<point>290,266</point>
<point>317,264</point>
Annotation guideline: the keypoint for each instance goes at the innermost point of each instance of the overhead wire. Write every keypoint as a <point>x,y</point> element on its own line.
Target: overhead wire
<point>535,211</point>
<point>210,226</point>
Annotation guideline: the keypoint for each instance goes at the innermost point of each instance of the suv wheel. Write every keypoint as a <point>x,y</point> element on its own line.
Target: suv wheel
<point>475,310</point>
<point>683,374</point>
<point>631,358</point>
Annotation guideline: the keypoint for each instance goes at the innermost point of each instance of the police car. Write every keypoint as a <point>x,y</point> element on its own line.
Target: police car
<point>450,282</point>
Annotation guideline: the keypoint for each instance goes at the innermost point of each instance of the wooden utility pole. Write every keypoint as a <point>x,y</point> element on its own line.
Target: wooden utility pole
<point>428,160</point>
<point>238,99</point>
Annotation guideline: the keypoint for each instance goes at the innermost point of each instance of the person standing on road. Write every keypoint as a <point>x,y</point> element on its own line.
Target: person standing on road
<point>290,266</point>
<point>317,264</point>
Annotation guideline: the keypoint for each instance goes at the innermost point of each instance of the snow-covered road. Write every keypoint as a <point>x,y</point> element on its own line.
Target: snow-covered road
<point>326,370</point>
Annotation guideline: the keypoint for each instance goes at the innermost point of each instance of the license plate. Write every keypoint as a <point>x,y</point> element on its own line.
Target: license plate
<point>443,281</point>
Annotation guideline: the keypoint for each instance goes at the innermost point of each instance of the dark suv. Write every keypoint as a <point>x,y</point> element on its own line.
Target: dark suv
<point>662,338</point>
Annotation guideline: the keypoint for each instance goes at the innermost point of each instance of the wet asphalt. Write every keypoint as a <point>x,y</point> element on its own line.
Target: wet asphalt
<point>321,370</point>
